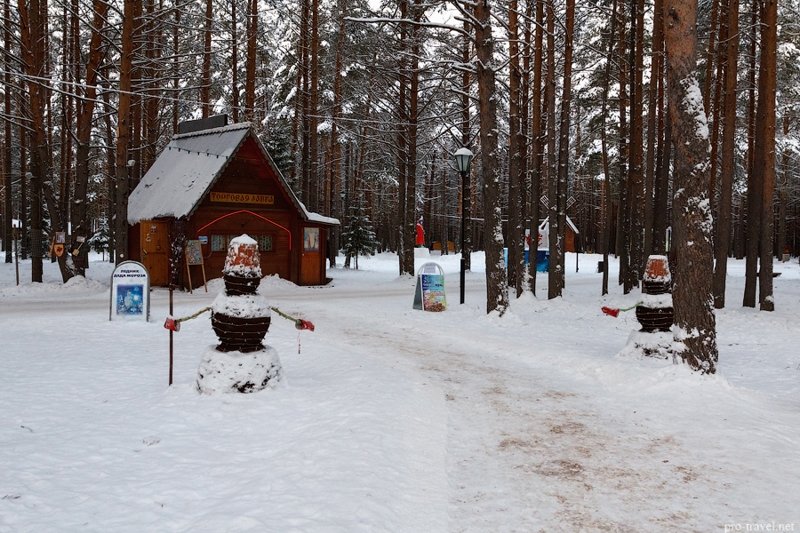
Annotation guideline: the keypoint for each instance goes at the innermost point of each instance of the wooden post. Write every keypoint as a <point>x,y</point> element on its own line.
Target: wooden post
<point>15,236</point>
<point>188,272</point>
<point>203,268</point>
<point>171,289</point>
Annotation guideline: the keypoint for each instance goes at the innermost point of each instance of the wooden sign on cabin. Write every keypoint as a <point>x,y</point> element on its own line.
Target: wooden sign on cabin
<point>194,257</point>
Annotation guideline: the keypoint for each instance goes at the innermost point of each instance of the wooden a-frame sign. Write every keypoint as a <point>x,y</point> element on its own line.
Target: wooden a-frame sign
<point>194,256</point>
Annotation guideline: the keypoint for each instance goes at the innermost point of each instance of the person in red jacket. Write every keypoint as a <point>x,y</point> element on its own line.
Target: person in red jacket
<point>420,240</point>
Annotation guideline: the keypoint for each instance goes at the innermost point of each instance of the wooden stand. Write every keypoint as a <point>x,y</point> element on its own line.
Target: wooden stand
<point>194,256</point>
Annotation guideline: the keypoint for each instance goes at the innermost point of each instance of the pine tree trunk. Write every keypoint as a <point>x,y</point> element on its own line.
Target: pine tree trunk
<point>661,187</point>
<point>723,229</point>
<point>695,325</point>
<point>34,53</point>
<point>122,186</point>
<point>80,222</point>
<point>623,211</point>
<point>8,207</point>
<point>765,149</point>
<point>515,180</point>
<point>335,179</point>
<point>24,194</point>
<point>556,285</point>
<point>402,152</point>
<point>524,131</point>
<point>176,71</point>
<point>135,138</point>
<point>714,116</point>
<point>710,54</point>
<point>537,142</point>
<point>299,174</point>
<point>635,170</point>
<point>205,75</point>
<point>783,192</point>
<point>67,118</point>
<point>313,105</point>
<point>410,207</point>
<point>250,61</point>
<point>234,62</point>
<point>653,137</point>
<point>496,283</point>
<point>607,211</point>
<point>156,71</point>
<point>751,233</point>
<point>554,267</point>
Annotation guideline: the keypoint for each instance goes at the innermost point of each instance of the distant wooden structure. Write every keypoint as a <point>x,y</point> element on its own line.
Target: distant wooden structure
<point>436,246</point>
<point>570,238</point>
<point>214,182</point>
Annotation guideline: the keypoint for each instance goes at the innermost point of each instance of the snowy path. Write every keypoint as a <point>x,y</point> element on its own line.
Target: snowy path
<point>526,452</point>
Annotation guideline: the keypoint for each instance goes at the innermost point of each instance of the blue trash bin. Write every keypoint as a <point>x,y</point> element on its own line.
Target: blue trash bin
<point>542,260</point>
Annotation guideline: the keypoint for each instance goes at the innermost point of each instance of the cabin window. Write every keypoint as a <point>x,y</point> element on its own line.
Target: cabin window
<point>219,243</point>
<point>264,243</point>
<point>310,239</point>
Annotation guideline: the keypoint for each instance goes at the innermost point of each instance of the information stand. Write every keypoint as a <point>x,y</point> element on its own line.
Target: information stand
<point>130,292</point>
<point>194,256</point>
<point>429,294</point>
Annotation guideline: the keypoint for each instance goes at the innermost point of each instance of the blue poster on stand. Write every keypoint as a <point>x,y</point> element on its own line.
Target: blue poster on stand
<point>433,298</point>
<point>130,292</point>
<point>430,294</point>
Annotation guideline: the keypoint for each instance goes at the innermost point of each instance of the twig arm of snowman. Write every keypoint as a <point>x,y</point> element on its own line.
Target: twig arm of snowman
<point>174,324</point>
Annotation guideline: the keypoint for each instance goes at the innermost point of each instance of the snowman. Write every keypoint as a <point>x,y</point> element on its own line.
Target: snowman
<point>240,317</point>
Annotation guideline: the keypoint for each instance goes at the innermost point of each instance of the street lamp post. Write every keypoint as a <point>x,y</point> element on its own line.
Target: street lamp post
<point>463,158</point>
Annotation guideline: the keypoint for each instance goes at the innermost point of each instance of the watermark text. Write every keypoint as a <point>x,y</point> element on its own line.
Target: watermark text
<point>742,527</point>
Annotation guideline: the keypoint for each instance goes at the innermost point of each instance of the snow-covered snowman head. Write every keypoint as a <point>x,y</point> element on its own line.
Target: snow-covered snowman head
<point>243,258</point>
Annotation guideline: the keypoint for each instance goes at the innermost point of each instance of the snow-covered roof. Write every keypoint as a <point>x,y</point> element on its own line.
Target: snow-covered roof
<point>183,172</point>
<point>316,217</point>
<point>187,169</point>
<point>546,221</point>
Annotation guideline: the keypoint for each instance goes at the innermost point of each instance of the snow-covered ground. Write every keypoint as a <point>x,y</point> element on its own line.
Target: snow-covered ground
<point>393,419</point>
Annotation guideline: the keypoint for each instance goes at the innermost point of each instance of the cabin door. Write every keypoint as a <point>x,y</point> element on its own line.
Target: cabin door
<point>311,257</point>
<point>155,251</point>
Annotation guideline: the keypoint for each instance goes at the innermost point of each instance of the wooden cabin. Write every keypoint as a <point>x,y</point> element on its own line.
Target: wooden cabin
<point>214,182</point>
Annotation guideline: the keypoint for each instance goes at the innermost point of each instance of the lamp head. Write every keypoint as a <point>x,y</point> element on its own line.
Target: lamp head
<point>463,157</point>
